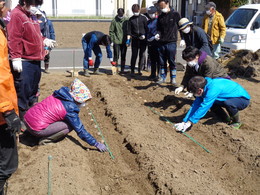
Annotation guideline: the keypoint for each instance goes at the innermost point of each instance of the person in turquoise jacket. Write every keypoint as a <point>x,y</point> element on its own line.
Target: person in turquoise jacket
<point>215,93</point>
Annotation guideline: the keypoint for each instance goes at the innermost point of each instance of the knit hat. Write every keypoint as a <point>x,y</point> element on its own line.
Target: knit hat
<point>183,23</point>
<point>151,10</point>
<point>79,91</point>
<point>210,4</point>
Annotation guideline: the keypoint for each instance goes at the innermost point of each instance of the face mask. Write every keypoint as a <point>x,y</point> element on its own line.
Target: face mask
<point>136,13</point>
<point>82,105</point>
<point>164,10</point>
<point>33,10</point>
<point>208,12</point>
<point>186,30</point>
<point>192,63</point>
<point>152,16</point>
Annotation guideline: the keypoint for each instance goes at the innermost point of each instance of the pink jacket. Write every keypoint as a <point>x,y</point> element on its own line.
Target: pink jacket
<point>51,114</point>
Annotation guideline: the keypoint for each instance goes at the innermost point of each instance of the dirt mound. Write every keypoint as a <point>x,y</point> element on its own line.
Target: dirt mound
<point>150,157</point>
<point>243,63</point>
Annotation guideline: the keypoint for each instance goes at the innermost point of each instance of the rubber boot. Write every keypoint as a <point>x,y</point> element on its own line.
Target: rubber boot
<point>96,71</point>
<point>53,138</point>
<point>86,73</point>
<point>236,121</point>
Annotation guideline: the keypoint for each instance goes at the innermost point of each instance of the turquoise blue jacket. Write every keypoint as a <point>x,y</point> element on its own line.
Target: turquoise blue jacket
<point>219,89</point>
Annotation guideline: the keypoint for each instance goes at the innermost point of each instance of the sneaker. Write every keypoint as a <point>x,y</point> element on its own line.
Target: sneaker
<point>139,73</point>
<point>160,81</point>
<point>236,125</point>
<point>45,141</point>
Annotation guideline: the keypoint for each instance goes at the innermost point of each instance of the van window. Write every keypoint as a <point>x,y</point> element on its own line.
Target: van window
<point>240,18</point>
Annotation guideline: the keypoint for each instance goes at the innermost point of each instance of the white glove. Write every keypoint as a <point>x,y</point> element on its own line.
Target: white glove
<point>151,39</point>
<point>157,37</point>
<point>142,37</point>
<point>182,127</point>
<point>188,95</point>
<point>17,64</point>
<point>182,43</point>
<point>49,43</point>
<point>178,90</point>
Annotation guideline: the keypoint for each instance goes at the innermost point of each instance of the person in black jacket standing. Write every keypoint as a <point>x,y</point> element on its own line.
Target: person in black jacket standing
<point>194,36</point>
<point>137,29</point>
<point>167,35</point>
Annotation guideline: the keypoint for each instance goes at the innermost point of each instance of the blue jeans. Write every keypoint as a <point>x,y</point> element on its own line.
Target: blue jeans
<point>97,51</point>
<point>27,84</point>
<point>233,105</point>
<point>167,52</point>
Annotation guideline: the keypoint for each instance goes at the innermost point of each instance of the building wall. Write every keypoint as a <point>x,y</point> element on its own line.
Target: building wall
<point>107,8</point>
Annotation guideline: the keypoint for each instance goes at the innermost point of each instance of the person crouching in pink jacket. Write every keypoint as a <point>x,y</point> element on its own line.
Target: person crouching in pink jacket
<point>58,114</point>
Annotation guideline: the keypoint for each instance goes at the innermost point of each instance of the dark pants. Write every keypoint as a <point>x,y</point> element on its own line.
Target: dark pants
<point>8,155</point>
<point>27,84</point>
<point>233,105</point>
<point>119,49</point>
<point>97,51</point>
<point>154,59</point>
<point>137,46</point>
<point>167,52</point>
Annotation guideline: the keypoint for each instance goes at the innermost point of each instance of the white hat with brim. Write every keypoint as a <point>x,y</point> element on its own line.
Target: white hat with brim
<point>183,23</point>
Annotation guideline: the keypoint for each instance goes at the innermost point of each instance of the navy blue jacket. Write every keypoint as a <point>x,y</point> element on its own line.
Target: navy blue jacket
<point>93,39</point>
<point>197,38</point>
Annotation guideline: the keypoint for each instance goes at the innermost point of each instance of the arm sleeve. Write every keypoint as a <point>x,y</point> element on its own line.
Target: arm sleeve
<point>178,17</point>
<point>193,109</point>
<point>52,32</point>
<point>15,33</point>
<point>112,31</point>
<point>203,39</point>
<point>129,27</point>
<point>222,27</point>
<point>187,76</point>
<point>145,26</point>
<point>92,42</point>
<point>205,105</point>
<point>109,52</point>
<point>75,122</point>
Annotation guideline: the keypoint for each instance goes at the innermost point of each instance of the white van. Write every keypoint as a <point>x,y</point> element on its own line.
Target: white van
<point>243,29</point>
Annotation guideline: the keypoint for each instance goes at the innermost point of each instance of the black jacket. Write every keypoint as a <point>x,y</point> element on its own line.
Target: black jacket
<point>197,38</point>
<point>167,26</point>
<point>137,26</point>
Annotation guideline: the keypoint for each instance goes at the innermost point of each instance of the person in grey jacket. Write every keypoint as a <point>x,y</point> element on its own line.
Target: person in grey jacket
<point>199,64</point>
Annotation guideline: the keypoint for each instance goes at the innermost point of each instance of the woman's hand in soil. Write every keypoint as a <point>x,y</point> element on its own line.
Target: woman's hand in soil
<point>101,147</point>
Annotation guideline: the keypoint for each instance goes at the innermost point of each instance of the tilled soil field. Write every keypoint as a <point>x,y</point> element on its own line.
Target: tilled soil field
<point>150,157</point>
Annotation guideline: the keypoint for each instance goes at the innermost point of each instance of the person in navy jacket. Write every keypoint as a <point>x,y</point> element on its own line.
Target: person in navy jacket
<point>218,92</point>
<point>58,114</point>
<point>152,43</point>
<point>92,41</point>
